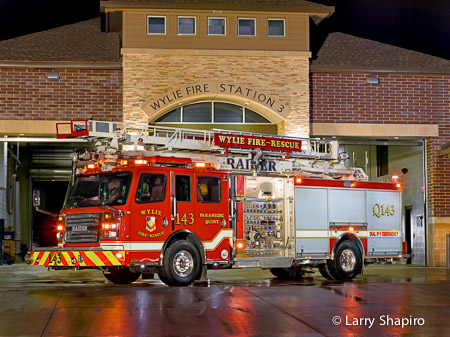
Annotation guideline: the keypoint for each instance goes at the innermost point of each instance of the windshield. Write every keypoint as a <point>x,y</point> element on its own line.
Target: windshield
<point>99,189</point>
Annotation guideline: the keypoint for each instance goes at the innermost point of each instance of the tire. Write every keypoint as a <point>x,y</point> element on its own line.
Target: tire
<point>182,264</point>
<point>281,273</point>
<point>162,275</point>
<point>347,261</point>
<point>292,273</point>
<point>325,272</point>
<point>118,275</point>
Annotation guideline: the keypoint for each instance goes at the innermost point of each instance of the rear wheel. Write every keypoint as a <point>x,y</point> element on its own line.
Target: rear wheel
<point>347,261</point>
<point>291,273</point>
<point>325,272</point>
<point>121,275</point>
<point>281,273</point>
<point>182,264</point>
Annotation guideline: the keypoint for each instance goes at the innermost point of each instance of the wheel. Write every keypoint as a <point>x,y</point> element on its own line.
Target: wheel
<point>182,264</point>
<point>347,261</point>
<point>291,273</point>
<point>162,275</point>
<point>118,275</point>
<point>281,273</point>
<point>325,272</point>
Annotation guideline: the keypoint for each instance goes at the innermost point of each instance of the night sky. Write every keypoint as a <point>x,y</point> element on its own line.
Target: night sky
<point>421,25</point>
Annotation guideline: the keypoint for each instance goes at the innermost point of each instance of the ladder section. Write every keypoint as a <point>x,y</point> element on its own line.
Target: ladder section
<point>216,141</point>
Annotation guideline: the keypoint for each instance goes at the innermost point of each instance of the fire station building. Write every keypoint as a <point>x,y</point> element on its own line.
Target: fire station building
<point>239,65</point>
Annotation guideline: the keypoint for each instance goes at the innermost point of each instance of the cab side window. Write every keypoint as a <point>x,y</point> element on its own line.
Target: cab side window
<point>208,189</point>
<point>152,188</point>
<point>183,188</point>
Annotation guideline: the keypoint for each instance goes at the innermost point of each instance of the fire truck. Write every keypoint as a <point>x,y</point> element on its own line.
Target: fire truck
<point>177,202</point>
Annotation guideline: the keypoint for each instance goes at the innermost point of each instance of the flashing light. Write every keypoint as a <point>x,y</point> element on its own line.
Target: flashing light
<point>200,164</point>
<point>140,162</point>
<point>105,226</point>
<point>119,255</point>
<point>59,228</point>
<point>398,185</point>
<point>240,245</point>
<point>124,162</point>
<point>394,177</point>
<point>91,166</point>
<point>351,229</point>
<point>298,180</point>
<point>106,216</point>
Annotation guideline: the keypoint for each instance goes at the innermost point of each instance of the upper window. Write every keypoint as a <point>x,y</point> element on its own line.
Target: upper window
<point>156,25</point>
<point>186,25</point>
<point>152,188</point>
<point>275,27</point>
<point>208,189</point>
<point>246,27</point>
<point>183,188</point>
<point>212,112</point>
<point>216,26</point>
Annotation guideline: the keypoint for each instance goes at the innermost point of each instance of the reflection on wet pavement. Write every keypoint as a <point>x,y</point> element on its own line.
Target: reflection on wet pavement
<point>35,302</point>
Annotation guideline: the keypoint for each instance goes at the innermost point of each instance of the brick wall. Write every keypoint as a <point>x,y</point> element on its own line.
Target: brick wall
<point>402,99</point>
<point>26,94</point>
<point>282,77</point>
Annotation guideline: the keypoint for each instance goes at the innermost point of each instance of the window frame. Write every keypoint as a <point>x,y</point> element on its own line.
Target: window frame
<point>224,25</point>
<point>284,27</point>
<point>219,190</point>
<point>254,20</point>
<point>186,17</point>
<point>151,201</point>
<point>157,16</point>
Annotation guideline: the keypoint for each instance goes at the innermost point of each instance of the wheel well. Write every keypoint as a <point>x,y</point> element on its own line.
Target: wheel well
<point>350,237</point>
<point>184,234</point>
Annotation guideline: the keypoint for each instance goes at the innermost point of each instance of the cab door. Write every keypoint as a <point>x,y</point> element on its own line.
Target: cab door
<point>151,211</point>
<point>184,209</point>
<point>212,213</point>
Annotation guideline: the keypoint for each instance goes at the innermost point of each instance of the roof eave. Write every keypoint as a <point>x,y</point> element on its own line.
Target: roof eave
<point>316,9</point>
<point>60,65</point>
<point>384,70</point>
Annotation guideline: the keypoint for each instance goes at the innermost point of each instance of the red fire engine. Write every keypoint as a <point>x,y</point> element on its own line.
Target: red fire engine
<point>177,202</point>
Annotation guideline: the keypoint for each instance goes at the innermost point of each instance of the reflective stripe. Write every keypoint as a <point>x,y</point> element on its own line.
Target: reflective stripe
<point>223,234</point>
<point>90,259</point>
<point>324,233</point>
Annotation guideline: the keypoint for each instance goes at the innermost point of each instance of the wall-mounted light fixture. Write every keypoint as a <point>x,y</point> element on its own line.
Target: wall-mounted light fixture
<point>53,75</point>
<point>372,80</point>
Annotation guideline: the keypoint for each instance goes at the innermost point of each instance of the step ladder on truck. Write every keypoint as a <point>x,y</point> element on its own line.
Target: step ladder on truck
<point>177,202</point>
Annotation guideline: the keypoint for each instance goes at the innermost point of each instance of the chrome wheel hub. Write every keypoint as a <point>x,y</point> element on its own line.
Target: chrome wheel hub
<point>348,260</point>
<point>183,263</point>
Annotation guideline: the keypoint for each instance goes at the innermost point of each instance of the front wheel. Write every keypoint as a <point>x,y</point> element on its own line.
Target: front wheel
<point>121,275</point>
<point>347,261</point>
<point>182,264</point>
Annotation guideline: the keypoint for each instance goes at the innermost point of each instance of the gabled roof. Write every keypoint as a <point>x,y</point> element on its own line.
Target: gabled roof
<point>343,52</point>
<point>78,43</point>
<point>299,6</point>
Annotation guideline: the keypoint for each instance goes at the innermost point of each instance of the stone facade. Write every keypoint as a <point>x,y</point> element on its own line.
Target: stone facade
<point>27,94</point>
<point>283,76</point>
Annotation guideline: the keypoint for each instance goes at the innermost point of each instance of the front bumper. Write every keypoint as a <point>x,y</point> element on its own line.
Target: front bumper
<point>70,258</point>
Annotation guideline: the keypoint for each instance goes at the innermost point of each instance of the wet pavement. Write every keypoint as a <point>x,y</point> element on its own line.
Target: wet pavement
<point>36,302</point>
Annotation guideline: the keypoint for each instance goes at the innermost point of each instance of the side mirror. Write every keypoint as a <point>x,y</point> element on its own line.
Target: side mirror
<point>36,198</point>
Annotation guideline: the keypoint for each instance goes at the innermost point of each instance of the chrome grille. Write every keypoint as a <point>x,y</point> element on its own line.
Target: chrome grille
<point>82,228</point>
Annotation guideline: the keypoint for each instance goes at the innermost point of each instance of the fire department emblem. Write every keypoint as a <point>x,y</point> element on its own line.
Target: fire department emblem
<point>151,223</point>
